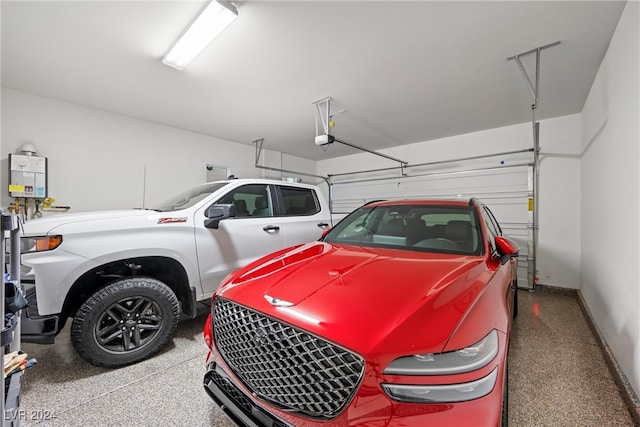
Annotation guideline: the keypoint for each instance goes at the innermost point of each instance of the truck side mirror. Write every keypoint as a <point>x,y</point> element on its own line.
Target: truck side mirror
<point>216,213</point>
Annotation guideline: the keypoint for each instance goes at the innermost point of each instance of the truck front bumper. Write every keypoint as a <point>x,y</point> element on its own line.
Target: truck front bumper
<point>34,327</point>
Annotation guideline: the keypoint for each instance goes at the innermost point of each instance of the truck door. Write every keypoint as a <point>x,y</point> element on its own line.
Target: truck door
<point>303,216</point>
<point>254,232</point>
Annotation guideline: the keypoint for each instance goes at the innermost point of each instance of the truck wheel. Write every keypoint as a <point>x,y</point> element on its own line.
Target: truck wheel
<point>124,322</point>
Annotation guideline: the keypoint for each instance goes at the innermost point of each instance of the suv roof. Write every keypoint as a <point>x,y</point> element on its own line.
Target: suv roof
<point>440,202</point>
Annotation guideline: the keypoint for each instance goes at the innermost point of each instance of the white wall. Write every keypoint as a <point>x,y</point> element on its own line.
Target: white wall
<point>99,160</point>
<point>559,236</point>
<point>611,196</point>
<point>558,258</point>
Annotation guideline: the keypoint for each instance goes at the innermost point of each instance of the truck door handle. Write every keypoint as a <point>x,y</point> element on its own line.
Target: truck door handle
<point>270,228</point>
<point>323,225</point>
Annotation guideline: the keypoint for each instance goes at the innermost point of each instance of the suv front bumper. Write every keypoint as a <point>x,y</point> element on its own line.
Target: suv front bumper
<point>235,403</point>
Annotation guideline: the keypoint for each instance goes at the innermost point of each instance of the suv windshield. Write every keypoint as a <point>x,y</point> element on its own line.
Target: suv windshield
<point>190,197</point>
<point>419,227</point>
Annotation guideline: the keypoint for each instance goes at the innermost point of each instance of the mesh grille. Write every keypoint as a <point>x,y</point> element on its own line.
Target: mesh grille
<point>285,365</point>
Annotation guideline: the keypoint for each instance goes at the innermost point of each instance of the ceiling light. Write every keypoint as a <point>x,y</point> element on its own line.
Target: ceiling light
<point>213,19</point>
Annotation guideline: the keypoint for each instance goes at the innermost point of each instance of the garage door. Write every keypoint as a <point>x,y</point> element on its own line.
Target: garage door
<point>506,190</point>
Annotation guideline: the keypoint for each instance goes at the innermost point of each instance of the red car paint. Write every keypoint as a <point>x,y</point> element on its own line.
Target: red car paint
<point>383,303</point>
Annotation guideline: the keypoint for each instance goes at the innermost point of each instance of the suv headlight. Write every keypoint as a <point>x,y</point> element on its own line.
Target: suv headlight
<point>467,359</point>
<point>39,243</point>
<point>447,393</point>
<point>453,362</point>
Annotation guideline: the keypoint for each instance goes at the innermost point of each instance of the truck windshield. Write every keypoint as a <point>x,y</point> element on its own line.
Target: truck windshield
<point>190,197</point>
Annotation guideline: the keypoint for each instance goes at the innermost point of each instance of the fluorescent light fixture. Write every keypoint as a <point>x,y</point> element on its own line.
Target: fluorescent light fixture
<point>213,19</point>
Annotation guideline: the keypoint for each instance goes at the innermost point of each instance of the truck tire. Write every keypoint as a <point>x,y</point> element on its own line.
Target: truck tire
<point>124,322</point>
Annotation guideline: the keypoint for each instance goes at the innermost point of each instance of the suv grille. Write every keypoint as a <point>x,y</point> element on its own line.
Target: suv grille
<point>284,365</point>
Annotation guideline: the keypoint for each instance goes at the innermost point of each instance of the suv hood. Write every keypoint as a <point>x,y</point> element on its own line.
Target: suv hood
<point>339,292</point>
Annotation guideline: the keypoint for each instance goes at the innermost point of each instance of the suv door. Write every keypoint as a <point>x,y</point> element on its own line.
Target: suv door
<point>254,232</point>
<point>302,217</point>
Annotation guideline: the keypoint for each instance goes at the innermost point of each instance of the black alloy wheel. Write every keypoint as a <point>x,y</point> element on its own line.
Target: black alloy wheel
<point>125,322</point>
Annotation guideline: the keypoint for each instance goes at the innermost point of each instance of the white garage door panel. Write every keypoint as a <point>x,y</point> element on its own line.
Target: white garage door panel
<point>505,183</point>
<point>505,190</point>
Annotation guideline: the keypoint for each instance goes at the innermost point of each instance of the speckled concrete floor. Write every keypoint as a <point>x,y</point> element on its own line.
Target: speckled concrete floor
<point>557,377</point>
<point>557,373</point>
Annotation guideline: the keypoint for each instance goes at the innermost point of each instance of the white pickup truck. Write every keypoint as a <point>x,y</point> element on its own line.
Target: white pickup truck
<point>125,277</point>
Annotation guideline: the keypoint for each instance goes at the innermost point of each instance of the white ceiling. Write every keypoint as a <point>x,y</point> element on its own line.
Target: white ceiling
<point>397,72</point>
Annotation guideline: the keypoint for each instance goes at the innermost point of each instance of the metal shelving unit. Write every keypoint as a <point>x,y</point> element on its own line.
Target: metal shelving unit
<point>10,230</point>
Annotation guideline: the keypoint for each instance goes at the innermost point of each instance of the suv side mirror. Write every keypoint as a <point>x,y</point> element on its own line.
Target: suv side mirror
<point>324,232</point>
<point>217,213</point>
<point>507,248</point>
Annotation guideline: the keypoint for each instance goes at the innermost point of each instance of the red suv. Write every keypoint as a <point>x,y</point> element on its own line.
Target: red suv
<point>399,316</point>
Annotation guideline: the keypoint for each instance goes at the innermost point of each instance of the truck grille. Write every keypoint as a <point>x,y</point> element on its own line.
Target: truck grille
<point>283,365</point>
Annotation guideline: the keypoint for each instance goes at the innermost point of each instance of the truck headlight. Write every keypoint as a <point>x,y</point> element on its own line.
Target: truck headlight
<point>453,362</point>
<point>447,393</point>
<point>39,243</point>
